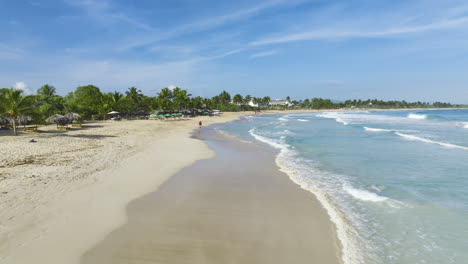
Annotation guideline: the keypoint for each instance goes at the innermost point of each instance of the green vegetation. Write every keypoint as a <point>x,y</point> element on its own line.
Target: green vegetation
<point>90,102</point>
<point>319,103</point>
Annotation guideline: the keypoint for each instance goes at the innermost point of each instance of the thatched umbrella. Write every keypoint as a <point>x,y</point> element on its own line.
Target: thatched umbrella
<point>73,117</point>
<point>3,121</point>
<point>24,120</point>
<point>57,119</point>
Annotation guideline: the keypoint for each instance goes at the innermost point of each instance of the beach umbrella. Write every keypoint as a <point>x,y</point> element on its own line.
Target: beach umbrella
<point>54,118</point>
<point>24,120</point>
<point>73,116</point>
<point>113,113</point>
<point>57,119</point>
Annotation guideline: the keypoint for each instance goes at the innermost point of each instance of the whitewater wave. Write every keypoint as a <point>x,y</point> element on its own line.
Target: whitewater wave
<point>364,195</point>
<point>283,119</point>
<point>303,120</point>
<point>347,235</point>
<point>334,115</point>
<point>416,138</point>
<point>371,129</point>
<point>417,116</point>
<point>463,124</point>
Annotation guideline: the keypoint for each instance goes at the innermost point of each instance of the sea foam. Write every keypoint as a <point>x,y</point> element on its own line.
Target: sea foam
<point>303,120</point>
<point>351,253</point>
<point>463,124</point>
<point>417,116</point>
<point>416,138</point>
<point>371,129</point>
<point>338,118</point>
<point>363,195</point>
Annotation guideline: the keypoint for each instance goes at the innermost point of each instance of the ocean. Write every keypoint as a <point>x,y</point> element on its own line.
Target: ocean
<point>395,183</point>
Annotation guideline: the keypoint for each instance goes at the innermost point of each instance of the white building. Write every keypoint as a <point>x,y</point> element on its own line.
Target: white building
<point>280,102</point>
<point>251,103</point>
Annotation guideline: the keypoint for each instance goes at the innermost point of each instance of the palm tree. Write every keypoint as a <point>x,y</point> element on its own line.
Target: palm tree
<point>165,98</point>
<point>115,99</point>
<point>135,95</point>
<point>237,99</point>
<point>15,105</point>
<point>266,100</point>
<point>247,99</point>
<point>46,92</point>
<point>225,98</point>
<point>181,98</point>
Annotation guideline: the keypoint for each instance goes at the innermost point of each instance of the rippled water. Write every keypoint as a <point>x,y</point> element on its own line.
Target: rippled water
<point>395,183</point>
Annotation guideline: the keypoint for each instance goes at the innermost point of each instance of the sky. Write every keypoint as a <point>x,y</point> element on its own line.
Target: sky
<point>349,49</point>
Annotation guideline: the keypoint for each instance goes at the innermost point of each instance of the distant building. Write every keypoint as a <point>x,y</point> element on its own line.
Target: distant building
<point>251,103</point>
<point>280,102</point>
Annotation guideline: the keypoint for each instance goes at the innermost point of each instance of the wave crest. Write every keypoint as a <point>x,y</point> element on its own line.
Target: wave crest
<point>417,116</point>
<point>463,124</point>
<point>364,195</point>
<point>371,129</point>
<point>416,138</point>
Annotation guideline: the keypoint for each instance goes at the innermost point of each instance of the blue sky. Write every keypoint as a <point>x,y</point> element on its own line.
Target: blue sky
<point>411,50</point>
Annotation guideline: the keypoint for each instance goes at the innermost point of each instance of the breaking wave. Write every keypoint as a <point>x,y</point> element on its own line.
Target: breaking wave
<point>417,116</point>
<point>377,129</point>
<point>287,162</point>
<point>416,138</point>
<point>463,124</point>
<point>335,116</point>
<point>364,195</point>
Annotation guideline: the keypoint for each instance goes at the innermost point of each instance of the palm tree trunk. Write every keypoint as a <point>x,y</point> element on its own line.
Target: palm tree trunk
<point>14,126</point>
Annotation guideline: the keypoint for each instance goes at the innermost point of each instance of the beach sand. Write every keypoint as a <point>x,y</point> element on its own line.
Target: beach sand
<point>62,194</point>
<point>236,207</point>
<point>66,192</point>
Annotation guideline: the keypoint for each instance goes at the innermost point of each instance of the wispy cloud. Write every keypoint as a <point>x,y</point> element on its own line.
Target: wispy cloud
<point>264,54</point>
<point>387,32</point>
<point>225,54</point>
<point>104,11</point>
<point>205,24</point>
<point>10,53</point>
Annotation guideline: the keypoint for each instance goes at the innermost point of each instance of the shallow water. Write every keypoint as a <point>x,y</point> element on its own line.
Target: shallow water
<point>394,182</point>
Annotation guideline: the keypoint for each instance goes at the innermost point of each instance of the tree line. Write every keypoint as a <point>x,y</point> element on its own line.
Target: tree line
<point>91,103</point>
<point>319,103</point>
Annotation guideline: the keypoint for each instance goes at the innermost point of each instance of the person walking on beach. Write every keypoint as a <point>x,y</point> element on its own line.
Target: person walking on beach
<point>200,124</point>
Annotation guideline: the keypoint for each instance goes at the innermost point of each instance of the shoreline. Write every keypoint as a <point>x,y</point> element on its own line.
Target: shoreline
<point>238,198</point>
<point>48,186</point>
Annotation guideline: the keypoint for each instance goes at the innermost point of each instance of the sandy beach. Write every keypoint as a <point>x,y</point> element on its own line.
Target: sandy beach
<point>235,207</point>
<point>66,192</point>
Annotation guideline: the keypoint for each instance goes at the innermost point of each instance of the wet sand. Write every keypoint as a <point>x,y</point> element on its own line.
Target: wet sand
<point>236,207</point>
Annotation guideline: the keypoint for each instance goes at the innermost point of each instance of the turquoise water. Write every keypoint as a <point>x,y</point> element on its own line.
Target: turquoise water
<point>395,183</point>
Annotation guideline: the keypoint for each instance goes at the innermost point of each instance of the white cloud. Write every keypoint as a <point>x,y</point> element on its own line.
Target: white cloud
<point>103,11</point>
<point>22,86</point>
<point>264,54</point>
<point>10,53</point>
<point>371,26</point>
<point>205,24</point>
